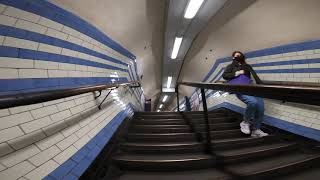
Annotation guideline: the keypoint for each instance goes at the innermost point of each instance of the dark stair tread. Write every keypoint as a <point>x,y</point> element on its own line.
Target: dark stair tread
<point>238,139</point>
<point>251,149</point>
<point>160,126</point>
<point>162,137</point>
<point>268,164</point>
<point>162,144</point>
<point>306,174</point>
<point>159,134</point>
<point>160,158</point>
<point>183,119</point>
<point>203,174</point>
<point>197,125</point>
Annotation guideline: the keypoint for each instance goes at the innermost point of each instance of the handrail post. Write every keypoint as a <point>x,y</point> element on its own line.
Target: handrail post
<point>104,99</point>
<point>205,113</point>
<point>177,91</point>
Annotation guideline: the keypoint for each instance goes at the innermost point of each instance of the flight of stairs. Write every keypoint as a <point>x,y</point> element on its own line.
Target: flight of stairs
<point>171,145</point>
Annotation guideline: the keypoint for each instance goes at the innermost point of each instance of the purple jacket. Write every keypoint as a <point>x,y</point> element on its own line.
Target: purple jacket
<point>241,79</point>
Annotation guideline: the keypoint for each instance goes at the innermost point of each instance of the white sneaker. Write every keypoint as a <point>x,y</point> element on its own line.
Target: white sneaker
<point>258,133</point>
<point>245,127</point>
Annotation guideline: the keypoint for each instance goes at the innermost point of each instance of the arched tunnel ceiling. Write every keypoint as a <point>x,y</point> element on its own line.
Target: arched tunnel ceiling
<point>137,25</point>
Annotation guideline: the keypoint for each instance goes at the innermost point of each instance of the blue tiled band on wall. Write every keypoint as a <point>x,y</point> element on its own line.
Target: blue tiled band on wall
<point>272,51</point>
<point>55,13</point>
<point>27,54</point>
<point>37,37</point>
<point>285,125</point>
<point>81,160</point>
<point>12,86</point>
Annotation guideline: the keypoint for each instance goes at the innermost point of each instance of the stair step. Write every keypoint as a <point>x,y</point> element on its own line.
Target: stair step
<point>172,162</point>
<point>217,126</point>
<point>175,128</point>
<point>160,130</point>
<point>276,165</point>
<point>178,116</point>
<point>203,174</point>
<point>310,174</point>
<point>182,112</point>
<point>156,122</point>
<point>245,153</point>
<point>170,137</point>
<point>235,142</point>
<point>233,133</point>
<point>160,148</point>
<point>193,120</point>
<point>147,126</point>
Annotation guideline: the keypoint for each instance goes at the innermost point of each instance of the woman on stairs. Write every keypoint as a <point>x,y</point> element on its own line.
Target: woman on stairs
<point>239,72</point>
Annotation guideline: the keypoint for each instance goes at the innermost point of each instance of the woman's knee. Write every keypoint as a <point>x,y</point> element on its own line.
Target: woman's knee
<point>252,101</point>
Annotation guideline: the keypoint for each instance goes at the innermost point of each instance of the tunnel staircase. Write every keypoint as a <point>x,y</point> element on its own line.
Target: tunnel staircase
<point>172,145</point>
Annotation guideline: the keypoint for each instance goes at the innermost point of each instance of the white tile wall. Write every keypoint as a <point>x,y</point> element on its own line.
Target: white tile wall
<point>22,24</point>
<point>7,62</point>
<point>9,121</point>
<point>36,139</point>
<point>19,156</point>
<point>44,156</point>
<point>27,139</point>
<point>65,154</point>
<point>17,13</point>
<point>21,43</point>
<point>42,171</point>
<point>9,73</point>
<point>7,20</point>
<point>5,149</point>
<point>17,171</point>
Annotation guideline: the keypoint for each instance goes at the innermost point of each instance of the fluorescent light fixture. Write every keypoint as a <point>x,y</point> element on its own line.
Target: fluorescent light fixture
<point>176,47</point>
<point>192,8</point>
<point>115,75</point>
<point>161,105</point>
<point>169,81</point>
<point>167,90</point>
<point>165,98</point>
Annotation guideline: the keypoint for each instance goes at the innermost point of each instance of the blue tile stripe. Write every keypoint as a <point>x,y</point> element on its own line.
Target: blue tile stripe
<point>298,70</point>
<point>302,46</point>
<point>74,167</point>
<point>57,14</point>
<point>37,37</point>
<point>27,54</point>
<point>291,62</point>
<point>285,125</point>
<point>13,86</point>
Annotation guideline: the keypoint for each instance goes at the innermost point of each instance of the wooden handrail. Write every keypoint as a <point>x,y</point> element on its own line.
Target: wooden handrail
<point>7,101</point>
<point>291,92</point>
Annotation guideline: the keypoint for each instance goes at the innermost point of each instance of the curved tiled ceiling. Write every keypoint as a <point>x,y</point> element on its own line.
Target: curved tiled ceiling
<point>136,25</point>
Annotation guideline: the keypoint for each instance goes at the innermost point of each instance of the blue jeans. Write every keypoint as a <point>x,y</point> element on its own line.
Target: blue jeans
<point>255,110</point>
